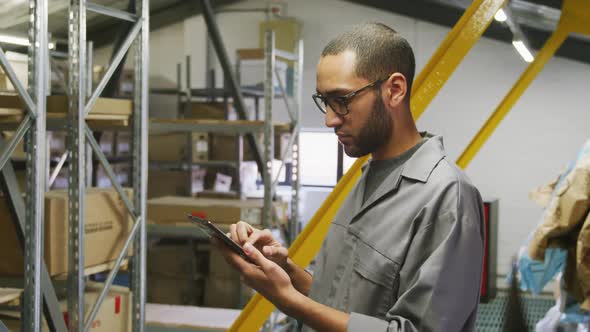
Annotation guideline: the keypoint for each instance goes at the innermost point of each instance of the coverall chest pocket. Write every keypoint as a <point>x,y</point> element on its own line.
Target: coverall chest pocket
<point>373,282</point>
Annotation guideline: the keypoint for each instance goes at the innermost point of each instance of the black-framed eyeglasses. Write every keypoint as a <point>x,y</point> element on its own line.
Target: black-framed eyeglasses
<point>339,104</point>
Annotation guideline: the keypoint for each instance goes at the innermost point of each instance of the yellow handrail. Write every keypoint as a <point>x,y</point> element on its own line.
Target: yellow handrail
<point>575,17</point>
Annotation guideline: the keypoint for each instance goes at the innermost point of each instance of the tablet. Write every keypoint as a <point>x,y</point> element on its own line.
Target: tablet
<point>213,231</point>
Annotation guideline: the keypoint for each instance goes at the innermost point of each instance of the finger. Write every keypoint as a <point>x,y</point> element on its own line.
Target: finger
<point>233,232</point>
<point>275,251</point>
<point>231,257</point>
<point>265,236</point>
<point>247,226</point>
<point>242,230</point>
<point>254,237</point>
<point>258,258</point>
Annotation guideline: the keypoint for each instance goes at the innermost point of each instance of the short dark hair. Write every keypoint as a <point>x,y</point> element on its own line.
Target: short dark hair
<point>379,50</point>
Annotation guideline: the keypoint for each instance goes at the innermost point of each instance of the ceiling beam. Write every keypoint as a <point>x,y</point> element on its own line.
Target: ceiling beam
<point>448,16</point>
<point>101,34</point>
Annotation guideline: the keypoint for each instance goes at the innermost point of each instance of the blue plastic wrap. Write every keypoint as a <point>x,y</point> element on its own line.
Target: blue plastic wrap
<point>534,275</point>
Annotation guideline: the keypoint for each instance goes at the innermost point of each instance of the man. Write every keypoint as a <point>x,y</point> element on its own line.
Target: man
<point>405,251</point>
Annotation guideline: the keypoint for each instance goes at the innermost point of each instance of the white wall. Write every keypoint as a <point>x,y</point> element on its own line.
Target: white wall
<point>541,134</point>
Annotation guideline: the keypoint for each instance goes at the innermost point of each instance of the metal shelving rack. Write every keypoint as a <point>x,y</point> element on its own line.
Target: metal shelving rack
<point>79,133</point>
<point>244,126</point>
<point>29,214</point>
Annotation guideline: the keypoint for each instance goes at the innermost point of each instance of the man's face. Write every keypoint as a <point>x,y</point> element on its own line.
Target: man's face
<point>368,125</point>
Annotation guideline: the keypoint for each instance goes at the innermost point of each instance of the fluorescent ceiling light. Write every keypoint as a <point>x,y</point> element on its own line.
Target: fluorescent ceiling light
<point>20,41</point>
<point>523,50</point>
<point>500,16</point>
<point>14,40</point>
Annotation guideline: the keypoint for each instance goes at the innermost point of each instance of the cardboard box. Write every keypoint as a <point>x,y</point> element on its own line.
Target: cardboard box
<point>178,260</point>
<point>167,183</point>
<point>114,314</point>
<point>57,143</point>
<point>173,210</point>
<point>59,76</point>
<point>3,81</point>
<point>224,146</point>
<point>252,73</point>
<point>208,111</point>
<point>59,105</point>
<point>61,181</point>
<point>176,273</point>
<point>226,292</point>
<point>122,172</point>
<point>107,143</point>
<point>287,33</point>
<point>107,224</point>
<point>123,144</point>
<point>172,290</point>
<point>19,63</point>
<point>173,147</point>
<point>125,85</point>
<point>175,182</point>
<point>19,151</point>
<point>219,267</point>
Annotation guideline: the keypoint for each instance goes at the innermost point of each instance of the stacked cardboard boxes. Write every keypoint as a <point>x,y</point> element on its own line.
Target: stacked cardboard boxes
<point>19,63</point>
<point>166,182</point>
<point>176,273</point>
<point>209,111</point>
<point>187,273</point>
<point>175,147</point>
<point>224,146</point>
<point>223,286</point>
<point>107,224</point>
<point>114,314</point>
<point>173,210</point>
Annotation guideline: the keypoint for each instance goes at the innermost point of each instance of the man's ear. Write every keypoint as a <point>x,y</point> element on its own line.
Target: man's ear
<point>397,87</point>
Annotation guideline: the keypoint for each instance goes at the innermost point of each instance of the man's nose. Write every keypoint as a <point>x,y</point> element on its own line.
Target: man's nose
<point>332,119</point>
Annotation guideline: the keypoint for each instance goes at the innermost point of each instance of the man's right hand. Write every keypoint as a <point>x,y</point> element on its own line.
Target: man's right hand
<point>263,240</point>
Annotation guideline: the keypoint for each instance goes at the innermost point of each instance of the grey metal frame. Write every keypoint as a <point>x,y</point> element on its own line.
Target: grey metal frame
<point>32,128</point>
<point>35,173</point>
<point>294,145</point>
<point>81,103</point>
<point>269,137</point>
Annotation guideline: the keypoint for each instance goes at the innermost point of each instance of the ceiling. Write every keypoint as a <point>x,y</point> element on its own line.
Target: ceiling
<point>101,29</point>
<point>536,18</point>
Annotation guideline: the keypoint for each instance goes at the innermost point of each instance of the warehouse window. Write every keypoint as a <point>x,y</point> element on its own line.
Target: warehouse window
<point>319,154</point>
<point>347,162</point>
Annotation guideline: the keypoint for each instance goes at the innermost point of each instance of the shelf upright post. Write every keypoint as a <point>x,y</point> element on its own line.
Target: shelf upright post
<point>268,149</point>
<point>188,102</point>
<point>35,167</point>
<point>77,170</point>
<point>140,159</point>
<point>179,90</point>
<point>295,174</point>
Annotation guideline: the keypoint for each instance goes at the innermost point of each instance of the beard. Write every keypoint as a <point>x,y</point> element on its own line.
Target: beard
<point>374,134</point>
